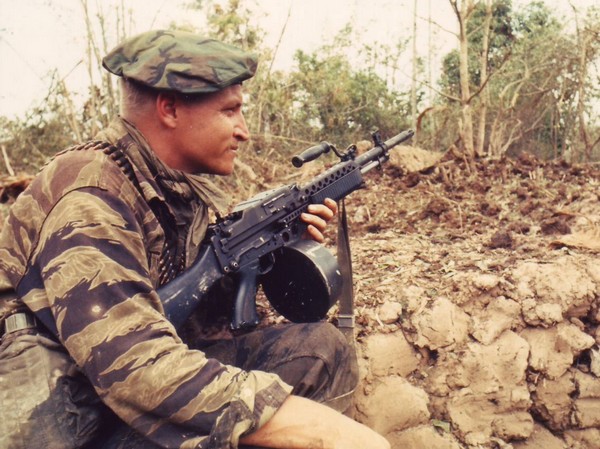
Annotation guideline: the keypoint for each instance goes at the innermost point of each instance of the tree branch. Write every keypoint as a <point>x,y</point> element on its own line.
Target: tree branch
<point>7,162</point>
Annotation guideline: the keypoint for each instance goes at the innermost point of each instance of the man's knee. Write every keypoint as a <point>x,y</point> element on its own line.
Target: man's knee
<point>339,355</point>
<point>325,341</point>
<point>317,361</point>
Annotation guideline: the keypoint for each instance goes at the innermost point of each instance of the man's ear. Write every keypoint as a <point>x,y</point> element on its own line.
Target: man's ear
<point>166,108</point>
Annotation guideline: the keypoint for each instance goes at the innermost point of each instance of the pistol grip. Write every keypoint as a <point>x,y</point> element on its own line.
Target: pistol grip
<point>244,307</point>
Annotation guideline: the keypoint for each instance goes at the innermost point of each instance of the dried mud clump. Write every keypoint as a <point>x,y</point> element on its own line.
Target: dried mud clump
<point>477,304</point>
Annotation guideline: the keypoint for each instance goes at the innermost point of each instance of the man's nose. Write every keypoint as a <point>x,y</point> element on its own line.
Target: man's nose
<point>241,131</point>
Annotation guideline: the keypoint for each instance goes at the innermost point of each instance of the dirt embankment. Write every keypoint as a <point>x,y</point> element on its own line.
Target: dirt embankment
<point>477,297</point>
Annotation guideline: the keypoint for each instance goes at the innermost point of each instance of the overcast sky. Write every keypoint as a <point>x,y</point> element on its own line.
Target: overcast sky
<point>40,36</point>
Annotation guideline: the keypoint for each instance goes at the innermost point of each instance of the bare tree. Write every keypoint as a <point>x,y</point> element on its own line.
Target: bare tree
<point>413,86</point>
<point>463,10</point>
<point>103,101</point>
<point>585,40</point>
<point>483,68</point>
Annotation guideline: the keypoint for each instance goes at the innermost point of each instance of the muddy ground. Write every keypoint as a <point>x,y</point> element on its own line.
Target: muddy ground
<point>476,302</point>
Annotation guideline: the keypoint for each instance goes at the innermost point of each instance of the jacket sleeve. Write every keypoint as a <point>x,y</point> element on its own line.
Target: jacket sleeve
<point>92,264</point>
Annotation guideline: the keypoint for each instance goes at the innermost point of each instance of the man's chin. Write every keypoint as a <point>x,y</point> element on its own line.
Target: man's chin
<point>225,171</point>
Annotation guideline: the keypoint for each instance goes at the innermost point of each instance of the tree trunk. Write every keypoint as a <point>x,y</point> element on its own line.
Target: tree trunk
<point>413,87</point>
<point>483,68</point>
<point>466,123</point>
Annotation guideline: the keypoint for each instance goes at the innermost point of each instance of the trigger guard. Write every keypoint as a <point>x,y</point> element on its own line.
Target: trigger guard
<point>266,264</point>
<point>304,282</point>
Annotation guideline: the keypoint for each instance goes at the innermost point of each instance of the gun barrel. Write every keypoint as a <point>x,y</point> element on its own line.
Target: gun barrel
<point>399,138</point>
<point>375,154</point>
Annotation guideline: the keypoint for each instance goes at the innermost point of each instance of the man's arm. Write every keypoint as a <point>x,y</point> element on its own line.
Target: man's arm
<point>301,423</point>
<point>107,315</point>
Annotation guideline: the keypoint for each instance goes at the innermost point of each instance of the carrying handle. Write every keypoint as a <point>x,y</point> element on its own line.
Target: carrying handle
<point>311,154</point>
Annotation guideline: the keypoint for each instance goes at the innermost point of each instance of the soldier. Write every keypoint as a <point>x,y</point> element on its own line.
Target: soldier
<point>88,358</point>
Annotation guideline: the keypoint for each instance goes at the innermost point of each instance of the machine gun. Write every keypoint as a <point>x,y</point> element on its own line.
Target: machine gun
<point>261,242</point>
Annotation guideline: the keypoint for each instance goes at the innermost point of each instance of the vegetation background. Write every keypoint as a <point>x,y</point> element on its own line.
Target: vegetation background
<point>520,79</point>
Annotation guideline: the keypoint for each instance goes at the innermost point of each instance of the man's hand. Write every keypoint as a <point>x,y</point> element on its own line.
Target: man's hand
<point>317,217</point>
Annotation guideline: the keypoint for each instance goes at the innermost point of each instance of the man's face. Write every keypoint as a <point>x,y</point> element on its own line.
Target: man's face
<point>209,132</point>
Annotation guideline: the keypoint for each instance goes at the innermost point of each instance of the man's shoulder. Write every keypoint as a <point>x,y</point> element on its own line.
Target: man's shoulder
<point>92,164</point>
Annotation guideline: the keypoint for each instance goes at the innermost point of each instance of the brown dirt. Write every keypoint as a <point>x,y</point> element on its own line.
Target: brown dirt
<point>477,304</point>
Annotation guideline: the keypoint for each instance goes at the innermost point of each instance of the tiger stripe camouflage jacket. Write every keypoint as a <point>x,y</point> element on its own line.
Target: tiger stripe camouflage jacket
<point>82,247</point>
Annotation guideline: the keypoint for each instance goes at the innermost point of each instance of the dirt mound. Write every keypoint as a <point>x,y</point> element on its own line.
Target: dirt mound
<point>477,303</point>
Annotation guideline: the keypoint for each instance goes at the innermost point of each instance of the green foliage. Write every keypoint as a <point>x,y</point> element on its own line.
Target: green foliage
<point>343,90</point>
<point>337,101</point>
<point>30,143</point>
<point>534,18</point>
<point>232,24</point>
<point>501,39</point>
<point>327,97</point>
<point>538,90</point>
<point>532,96</point>
<point>50,127</point>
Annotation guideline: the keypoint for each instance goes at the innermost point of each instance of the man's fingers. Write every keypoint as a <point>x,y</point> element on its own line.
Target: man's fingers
<point>315,220</point>
<point>326,211</point>
<point>317,216</point>
<point>332,205</point>
<point>315,234</point>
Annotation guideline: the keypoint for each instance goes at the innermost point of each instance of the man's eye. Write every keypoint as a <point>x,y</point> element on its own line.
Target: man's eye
<point>233,110</point>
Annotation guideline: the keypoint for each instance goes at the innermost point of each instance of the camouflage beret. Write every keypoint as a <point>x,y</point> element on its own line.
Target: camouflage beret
<point>180,61</point>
